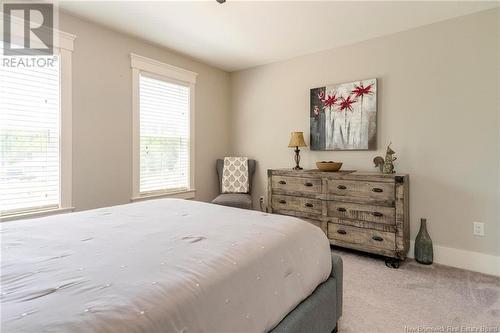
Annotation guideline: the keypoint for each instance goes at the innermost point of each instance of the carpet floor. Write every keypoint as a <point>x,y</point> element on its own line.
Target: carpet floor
<point>416,298</point>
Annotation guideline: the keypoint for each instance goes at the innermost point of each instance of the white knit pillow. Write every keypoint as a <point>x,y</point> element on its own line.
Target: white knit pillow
<point>235,175</point>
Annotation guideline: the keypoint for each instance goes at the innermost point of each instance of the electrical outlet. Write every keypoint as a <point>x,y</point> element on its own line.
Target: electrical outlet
<point>261,199</point>
<point>478,228</point>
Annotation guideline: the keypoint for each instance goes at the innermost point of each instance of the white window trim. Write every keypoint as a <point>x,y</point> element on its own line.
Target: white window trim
<point>64,44</point>
<point>162,71</point>
<point>35,213</point>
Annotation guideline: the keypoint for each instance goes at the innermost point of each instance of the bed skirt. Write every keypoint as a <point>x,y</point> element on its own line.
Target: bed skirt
<point>319,312</point>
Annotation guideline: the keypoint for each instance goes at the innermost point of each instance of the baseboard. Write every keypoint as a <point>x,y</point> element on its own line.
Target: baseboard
<point>473,261</point>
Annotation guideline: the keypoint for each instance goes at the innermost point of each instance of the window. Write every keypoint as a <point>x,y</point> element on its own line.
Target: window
<point>35,131</point>
<point>164,135</point>
<point>163,118</point>
<point>29,137</point>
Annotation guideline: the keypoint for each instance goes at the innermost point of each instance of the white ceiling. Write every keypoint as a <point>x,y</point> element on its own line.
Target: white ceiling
<point>242,34</point>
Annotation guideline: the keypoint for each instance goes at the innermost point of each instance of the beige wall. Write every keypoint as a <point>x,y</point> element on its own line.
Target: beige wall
<point>437,102</point>
<point>102,114</point>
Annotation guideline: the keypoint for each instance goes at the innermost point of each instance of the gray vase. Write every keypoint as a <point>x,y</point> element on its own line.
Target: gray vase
<point>423,245</point>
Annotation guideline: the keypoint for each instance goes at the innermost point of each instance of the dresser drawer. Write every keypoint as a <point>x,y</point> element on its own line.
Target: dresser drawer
<point>347,210</point>
<point>288,202</point>
<point>372,191</point>
<point>360,236</point>
<point>296,184</point>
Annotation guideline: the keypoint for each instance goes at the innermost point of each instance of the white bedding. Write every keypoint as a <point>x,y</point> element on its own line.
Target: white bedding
<point>158,266</point>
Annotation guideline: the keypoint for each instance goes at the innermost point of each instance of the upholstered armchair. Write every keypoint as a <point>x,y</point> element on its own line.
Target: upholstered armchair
<point>238,200</point>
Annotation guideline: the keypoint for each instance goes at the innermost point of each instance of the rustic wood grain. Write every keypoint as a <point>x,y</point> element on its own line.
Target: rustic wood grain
<point>297,184</point>
<point>362,189</point>
<point>355,211</point>
<point>300,214</point>
<point>364,224</point>
<point>364,248</point>
<point>360,200</point>
<point>342,174</point>
<point>362,237</point>
<point>402,217</point>
<point>381,213</point>
<point>288,202</point>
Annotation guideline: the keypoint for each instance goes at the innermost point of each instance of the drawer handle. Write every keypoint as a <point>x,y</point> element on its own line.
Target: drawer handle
<point>341,209</point>
<point>341,187</point>
<point>282,201</point>
<point>377,190</point>
<point>282,182</point>
<point>308,184</point>
<point>341,231</point>
<point>377,238</point>
<point>310,205</point>
<point>377,214</point>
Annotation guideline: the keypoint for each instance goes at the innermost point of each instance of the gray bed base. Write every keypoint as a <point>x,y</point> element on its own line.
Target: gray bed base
<point>320,312</point>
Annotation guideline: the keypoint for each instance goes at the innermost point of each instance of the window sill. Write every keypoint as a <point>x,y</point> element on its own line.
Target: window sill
<point>33,214</point>
<point>185,194</point>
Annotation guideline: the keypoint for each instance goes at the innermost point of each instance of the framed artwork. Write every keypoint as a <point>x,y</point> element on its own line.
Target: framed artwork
<point>344,116</point>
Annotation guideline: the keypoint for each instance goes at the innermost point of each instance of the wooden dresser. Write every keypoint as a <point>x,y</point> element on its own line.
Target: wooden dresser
<point>358,210</point>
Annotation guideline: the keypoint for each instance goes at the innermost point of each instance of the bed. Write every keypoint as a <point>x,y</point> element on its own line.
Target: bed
<point>168,265</point>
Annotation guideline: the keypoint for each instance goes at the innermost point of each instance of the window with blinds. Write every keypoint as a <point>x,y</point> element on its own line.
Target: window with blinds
<point>164,135</point>
<point>29,137</point>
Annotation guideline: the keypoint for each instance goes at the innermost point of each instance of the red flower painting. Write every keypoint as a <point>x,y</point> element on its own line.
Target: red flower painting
<point>360,91</point>
<point>316,111</point>
<point>346,103</point>
<point>343,116</point>
<point>321,96</point>
<point>330,101</point>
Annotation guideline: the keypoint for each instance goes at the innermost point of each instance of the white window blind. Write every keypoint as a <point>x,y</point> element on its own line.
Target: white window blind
<point>29,137</point>
<point>164,135</point>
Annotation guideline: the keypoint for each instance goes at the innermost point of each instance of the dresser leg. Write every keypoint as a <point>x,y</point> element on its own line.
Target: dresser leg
<point>392,263</point>
<point>336,328</point>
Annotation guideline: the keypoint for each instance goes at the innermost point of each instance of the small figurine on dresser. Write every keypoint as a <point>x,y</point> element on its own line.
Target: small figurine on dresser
<point>386,166</point>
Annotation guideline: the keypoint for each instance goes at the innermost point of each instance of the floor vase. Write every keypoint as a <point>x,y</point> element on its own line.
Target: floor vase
<point>423,245</point>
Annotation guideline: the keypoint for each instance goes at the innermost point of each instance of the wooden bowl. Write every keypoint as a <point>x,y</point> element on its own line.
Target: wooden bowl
<point>329,166</point>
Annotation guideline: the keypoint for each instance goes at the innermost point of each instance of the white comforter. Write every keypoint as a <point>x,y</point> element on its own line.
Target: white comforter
<point>158,266</point>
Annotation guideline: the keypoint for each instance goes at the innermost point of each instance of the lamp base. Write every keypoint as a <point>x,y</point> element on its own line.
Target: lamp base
<point>297,168</point>
<point>297,159</point>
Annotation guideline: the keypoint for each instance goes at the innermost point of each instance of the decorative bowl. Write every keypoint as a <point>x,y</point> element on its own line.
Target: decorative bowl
<point>329,166</point>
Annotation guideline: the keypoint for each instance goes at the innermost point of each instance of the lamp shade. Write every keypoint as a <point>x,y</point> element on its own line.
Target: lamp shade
<point>297,140</point>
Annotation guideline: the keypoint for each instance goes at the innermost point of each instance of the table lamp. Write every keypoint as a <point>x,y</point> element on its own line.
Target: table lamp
<point>297,140</point>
